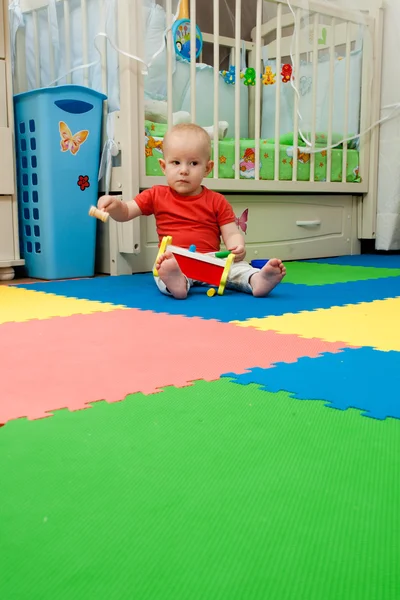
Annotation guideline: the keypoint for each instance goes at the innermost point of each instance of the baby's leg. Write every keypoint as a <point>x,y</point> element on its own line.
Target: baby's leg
<point>268,277</point>
<point>258,282</point>
<point>171,275</point>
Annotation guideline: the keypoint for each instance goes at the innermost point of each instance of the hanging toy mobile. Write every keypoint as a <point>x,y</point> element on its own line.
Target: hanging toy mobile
<point>181,33</point>
<point>229,76</point>
<point>268,77</point>
<point>249,76</point>
<point>286,72</point>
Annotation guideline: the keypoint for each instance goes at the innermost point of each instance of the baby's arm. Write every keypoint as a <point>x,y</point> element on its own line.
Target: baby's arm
<point>119,211</point>
<point>234,240</point>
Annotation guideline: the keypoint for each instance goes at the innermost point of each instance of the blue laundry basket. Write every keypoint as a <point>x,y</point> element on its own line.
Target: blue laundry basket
<point>58,137</point>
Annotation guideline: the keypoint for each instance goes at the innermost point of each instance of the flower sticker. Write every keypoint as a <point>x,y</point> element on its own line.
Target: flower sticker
<point>83,182</point>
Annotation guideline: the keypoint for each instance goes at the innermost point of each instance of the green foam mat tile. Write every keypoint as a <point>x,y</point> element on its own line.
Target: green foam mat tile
<point>211,491</point>
<point>307,273</point>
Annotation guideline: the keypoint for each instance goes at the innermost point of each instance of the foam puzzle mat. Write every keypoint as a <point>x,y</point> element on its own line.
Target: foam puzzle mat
<point>228,447</point>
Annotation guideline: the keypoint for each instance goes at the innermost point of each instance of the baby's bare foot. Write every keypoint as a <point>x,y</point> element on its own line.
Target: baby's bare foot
<point>170,273</point>
<point>270,275</point>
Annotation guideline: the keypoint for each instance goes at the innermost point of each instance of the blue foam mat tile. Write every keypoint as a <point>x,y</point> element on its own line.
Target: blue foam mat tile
<point>140,291</point>
<point>375,391</point>
<point>390,261</point>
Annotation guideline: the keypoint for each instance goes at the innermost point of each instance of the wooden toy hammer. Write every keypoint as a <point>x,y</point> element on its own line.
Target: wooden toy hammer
<point>99,214</point>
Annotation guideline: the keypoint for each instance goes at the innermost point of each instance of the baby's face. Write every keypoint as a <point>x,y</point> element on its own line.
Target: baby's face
<point>186,163</point>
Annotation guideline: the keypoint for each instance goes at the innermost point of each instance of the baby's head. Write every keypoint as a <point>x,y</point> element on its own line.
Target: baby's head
<point>187,158</point>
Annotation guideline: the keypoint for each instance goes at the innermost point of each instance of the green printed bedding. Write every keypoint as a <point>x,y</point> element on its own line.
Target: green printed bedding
<point>226,158</point>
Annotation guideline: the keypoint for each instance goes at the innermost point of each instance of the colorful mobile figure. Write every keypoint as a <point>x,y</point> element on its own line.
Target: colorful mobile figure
<point>181,33</point>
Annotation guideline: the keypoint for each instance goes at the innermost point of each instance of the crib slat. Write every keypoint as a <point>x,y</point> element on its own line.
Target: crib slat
<point>139,46</point>
<point>51,47</point>
<point>314,93</point>
<point>103,47</point>
<point>347,101</point>
<point>85,53</point>
<point>257,119</point>
<point>168,10</point>
<point>193,60</point>
<point>278,90</point>
<point>216,86</point>
<point>37,48</point>
<point>331,92</point>
<point>238,14</point>
<point>67,33</point>
<point>296,98</point>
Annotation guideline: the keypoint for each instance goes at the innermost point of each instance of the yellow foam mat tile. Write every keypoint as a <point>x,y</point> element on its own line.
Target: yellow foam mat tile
<point>375,324</point>
<point>20,304</point>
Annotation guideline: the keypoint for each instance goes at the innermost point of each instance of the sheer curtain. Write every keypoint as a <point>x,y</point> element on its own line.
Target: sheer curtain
<point>388,222</point>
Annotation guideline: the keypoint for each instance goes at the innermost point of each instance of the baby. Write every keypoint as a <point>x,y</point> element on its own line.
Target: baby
<point>193,214</point>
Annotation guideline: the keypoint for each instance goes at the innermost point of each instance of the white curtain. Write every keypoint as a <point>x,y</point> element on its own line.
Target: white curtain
<point>388,222</point>
<point>388,217</point>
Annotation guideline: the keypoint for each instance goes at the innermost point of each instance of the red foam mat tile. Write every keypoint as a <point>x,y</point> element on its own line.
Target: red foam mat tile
<point>73,361</point>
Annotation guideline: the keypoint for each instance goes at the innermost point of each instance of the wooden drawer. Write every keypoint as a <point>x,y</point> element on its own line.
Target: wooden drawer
<point>291,227</point>
<point>295,227</point>
<point>6,229</point>
<point>3,95</point>
<point>3,3</point>
<point>290,219</point>
<point>7,162</point>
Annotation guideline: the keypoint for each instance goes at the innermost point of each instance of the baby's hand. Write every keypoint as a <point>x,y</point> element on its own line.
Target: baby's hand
<point>239,252</point>
<point>113,206</point>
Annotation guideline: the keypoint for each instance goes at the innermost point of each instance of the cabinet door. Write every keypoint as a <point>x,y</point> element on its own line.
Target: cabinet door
<point>3,94</point>
<point>6,162</point>
<point>6,229</point>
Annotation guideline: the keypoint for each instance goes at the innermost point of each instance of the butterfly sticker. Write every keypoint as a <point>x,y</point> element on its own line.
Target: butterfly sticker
<point>241,221</point>
<point>71,142</point>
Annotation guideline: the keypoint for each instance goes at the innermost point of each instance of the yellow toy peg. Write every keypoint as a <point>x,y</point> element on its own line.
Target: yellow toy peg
<point>166,241</point>
<point>225,274</point>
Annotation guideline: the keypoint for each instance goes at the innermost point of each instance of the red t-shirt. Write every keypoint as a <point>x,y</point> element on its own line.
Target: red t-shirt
<point>188,219</point>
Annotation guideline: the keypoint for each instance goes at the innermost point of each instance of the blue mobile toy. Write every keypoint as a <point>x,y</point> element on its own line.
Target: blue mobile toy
<point>181,33</point>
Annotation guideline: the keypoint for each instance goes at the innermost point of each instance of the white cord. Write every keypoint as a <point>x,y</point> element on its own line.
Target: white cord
<point>309,149</point>
<point>305,140</point>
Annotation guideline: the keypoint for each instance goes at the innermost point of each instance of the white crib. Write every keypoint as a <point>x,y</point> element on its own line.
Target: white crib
<point>321,204</point>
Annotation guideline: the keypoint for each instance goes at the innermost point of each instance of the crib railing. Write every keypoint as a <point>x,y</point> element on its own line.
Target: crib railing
<point>334,32</point>
<point>280,37</point>
<point>342,30</point>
